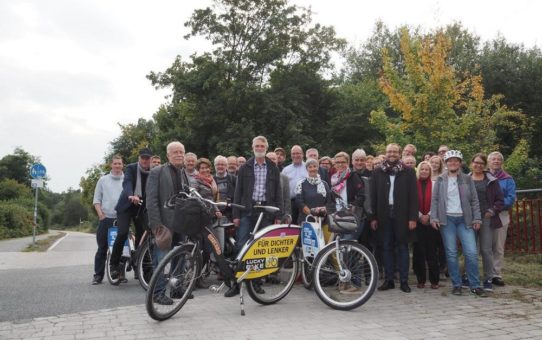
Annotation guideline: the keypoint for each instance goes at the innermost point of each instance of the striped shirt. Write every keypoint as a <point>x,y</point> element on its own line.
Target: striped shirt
<point>260,176</point>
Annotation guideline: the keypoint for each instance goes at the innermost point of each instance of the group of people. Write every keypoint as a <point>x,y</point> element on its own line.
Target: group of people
<point>430,205</point>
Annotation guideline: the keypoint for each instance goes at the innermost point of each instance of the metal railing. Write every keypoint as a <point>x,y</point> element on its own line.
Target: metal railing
<point>524,231</point>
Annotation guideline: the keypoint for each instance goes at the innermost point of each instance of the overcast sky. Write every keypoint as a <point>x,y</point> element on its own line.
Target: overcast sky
<point>71,70</point>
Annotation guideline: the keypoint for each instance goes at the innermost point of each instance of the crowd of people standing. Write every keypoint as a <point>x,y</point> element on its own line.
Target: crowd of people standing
<point>428,206</point>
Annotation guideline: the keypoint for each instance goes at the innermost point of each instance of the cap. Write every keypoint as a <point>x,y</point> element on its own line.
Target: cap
<point>145,152</point>
<point>280,149</point>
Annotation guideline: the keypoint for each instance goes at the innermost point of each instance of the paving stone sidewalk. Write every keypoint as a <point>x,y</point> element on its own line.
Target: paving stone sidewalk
<point>423,314</point>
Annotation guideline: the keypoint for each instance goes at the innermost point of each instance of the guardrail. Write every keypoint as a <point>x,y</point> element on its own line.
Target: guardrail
<point>524,232</point>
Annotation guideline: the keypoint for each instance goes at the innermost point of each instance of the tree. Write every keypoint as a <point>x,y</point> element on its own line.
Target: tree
<point>222,99</point>
<point>17,166</point>
<point>433,104</point>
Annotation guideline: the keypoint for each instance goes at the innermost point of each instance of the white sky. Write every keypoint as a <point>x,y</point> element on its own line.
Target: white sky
<point>71,70</point>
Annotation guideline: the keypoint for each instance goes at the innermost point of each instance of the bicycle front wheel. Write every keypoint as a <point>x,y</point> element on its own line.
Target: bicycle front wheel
<point>306,272</point>
<point>114,282</point>
<point>173,282</point>
<point>274,287</point>
<point>350,284</point>
<point>144,267</point>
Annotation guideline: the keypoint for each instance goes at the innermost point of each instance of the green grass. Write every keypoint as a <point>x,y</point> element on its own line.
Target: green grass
<point>44,244</point>
<point>523,270</point>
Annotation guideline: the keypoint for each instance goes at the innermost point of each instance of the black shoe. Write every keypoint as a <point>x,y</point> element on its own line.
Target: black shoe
<point>258,287</point>
<point>114,272</point>
<point>387,285</point>
<point>405,288</point>
<point>163,300</point>
<point>479,292</point>
<point>177,294</point>
<point>497,281</point>
<point>234,290</point>
<point>200,283</point>
<point>97,279</point>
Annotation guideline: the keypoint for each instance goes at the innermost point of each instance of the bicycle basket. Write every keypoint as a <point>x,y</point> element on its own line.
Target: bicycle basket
<point>190,217</point>
<point>343,222</point>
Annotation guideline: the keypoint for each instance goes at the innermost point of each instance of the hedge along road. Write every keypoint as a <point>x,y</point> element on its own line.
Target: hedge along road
<point>58,281</point>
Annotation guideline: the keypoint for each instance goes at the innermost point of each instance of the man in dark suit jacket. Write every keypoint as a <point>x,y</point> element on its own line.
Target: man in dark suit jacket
<point>395,205</point>
<point>130,206</point>
<point>258,183</point>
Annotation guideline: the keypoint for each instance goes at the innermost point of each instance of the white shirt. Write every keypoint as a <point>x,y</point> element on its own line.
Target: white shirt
<point>295,173</point>
<point>453,206</point>
<point>392,187</point>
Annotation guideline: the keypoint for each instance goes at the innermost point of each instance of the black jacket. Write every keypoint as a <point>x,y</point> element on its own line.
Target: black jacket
<point>128,187</point>
<point>245,187</point>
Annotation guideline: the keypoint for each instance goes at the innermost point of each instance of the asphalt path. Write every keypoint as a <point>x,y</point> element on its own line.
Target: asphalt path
<point>58,282</point>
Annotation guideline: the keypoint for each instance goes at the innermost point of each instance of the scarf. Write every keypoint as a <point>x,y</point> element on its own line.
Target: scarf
<point>501,174</point>
<point>320,187</point>
<point>424,198</point>
<point>392,168</point>
<point>338,180</point>
<point>208,181</point>
<point>138,190</point>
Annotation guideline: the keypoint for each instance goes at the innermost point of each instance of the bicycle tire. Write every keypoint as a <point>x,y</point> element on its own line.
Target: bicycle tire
<point>114,282</point>
<point>144,267</point>
<point>327,281</point>
<point>268,286</point>
<point>306,272</point>
<point>179,270</point>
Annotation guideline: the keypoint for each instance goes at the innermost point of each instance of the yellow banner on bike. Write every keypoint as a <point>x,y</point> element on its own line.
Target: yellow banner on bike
<point>266,254</point>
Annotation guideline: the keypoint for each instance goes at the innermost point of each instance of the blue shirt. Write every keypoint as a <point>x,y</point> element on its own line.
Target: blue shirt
<point>260,176</point>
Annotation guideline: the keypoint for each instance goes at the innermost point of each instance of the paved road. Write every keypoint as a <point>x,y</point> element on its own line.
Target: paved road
<point>57,302</point>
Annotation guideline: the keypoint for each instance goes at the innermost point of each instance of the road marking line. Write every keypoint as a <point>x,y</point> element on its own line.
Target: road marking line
<point>57,242</point>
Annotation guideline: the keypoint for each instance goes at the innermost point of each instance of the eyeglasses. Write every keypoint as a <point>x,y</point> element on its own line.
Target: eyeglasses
<point>341,162</point>
<point>479,163</point>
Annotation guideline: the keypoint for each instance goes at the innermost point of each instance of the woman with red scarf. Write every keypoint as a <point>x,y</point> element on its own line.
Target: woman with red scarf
<point>425,247</point>
<point>347,187</point>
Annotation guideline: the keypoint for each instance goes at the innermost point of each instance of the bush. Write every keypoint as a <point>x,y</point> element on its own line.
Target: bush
<point>15,220</point>
<point>11,189</point>
<point>44,215</point>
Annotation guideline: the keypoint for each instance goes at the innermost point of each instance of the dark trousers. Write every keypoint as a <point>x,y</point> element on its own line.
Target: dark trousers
<point>389,246</point>
<point>137,215</point>
<point>101,240</point>
<point>295,211</point>
<point>425,250</point>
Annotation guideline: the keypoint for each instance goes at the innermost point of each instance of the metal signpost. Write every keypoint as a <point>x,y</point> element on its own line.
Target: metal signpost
<point>37,172</point>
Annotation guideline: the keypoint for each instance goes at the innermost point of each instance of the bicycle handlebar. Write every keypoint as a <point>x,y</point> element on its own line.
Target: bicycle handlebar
<point>195,194</point>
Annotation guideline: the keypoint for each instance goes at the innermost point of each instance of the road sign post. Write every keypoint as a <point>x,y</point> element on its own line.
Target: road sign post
<point>37,172</point>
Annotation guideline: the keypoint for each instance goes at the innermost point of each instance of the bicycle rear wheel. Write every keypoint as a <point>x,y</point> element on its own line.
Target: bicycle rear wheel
<point>351,287</point>
<point>274,287</point>
<point>144,267</point>
<point>172,282</point>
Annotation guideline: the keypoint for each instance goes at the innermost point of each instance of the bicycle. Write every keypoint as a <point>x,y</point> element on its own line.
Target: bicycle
<point>144,268</point>
<point>127,254</point>
<point>267,264</point>
<point>340,266</point>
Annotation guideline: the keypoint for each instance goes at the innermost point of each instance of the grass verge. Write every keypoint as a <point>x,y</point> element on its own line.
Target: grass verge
<point>44,244</point>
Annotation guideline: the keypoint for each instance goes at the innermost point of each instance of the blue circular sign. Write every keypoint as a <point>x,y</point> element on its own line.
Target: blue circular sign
<point>38,171</point>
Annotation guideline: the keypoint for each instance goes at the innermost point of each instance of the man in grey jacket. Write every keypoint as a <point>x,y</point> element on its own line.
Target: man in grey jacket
<point>455,211</point>
<point>164,181</point>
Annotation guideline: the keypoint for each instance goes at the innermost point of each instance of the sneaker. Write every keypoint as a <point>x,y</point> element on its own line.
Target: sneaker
<point>163,300</point>
<point>457,291</point>
<point>114,272</point>
<point>234,290</point>
<point>96,280</point>
<point>350,290</point>
<point>465,281</point>
<point>488,286</point>
<point>478,292</point>
<point>497,281</point>
<point>257,285</point>
<point>178,294</point>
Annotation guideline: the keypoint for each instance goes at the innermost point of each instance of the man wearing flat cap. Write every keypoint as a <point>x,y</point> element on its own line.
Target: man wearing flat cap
<point>281,157</point>
<point>130,207</point>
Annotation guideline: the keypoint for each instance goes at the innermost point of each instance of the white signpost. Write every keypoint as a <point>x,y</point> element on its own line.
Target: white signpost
<point>37,172</point>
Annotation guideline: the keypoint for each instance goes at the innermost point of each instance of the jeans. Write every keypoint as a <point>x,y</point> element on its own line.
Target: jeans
<point>355,235</point>
<point>157,256</point>
<point>453,229</point>
<point>246,226</point>
<point>101,239</point>
<point>388,248</point>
